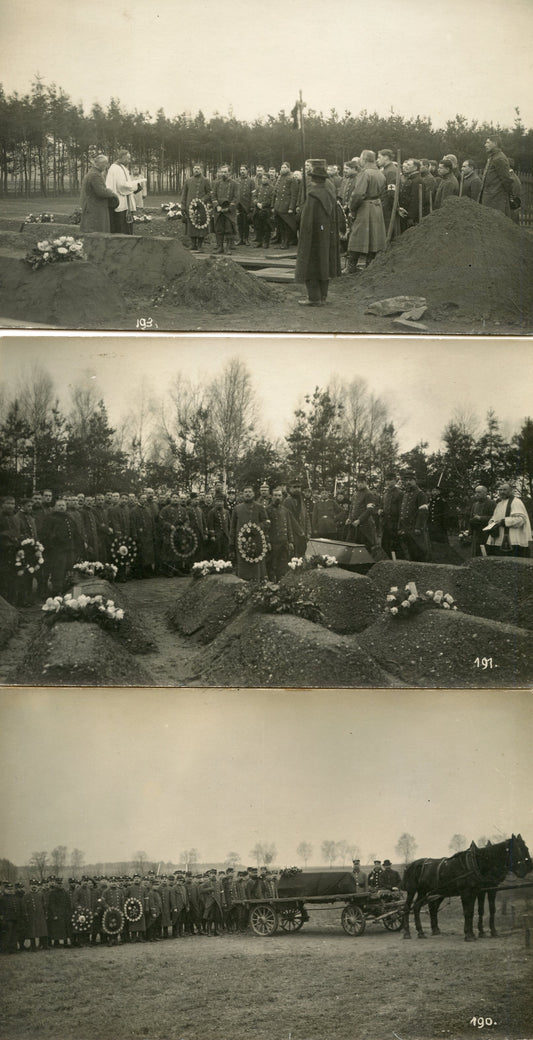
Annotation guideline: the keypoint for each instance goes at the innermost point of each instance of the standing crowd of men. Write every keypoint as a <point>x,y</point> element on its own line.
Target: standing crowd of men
<point>166,534</point>
<point>107,911</point>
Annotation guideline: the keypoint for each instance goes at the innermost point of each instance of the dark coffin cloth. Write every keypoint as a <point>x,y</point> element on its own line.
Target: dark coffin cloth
<point>319,883</point>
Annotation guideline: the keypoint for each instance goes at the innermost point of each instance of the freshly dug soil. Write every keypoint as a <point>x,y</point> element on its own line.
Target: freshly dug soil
<point>513,577</point>
<point>131,632</point>
<point>349,602</point>
<point>206,606</point>
<point>472,593</point>
<point>286,651</point>
<point>439,648</point>
<point>216,284</point>
<point>9,621</point>
<point>465,259</point>
<point>77,295</point>
<point>79,654</point>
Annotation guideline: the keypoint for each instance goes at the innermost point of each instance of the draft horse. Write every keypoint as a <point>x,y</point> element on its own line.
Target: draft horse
<point>469,874</point>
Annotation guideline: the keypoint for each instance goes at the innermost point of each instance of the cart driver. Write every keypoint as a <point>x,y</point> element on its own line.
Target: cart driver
<point>361,882</point>
<point>390,878</point>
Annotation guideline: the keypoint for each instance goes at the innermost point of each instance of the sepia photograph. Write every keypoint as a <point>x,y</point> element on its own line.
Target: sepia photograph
<point>266,865</point>
<point>265,512</point>
<point>354,171</point>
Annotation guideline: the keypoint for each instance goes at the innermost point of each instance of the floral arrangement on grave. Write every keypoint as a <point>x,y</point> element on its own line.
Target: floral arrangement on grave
<point>173,210</point>
<point>272,598</point>
<point>290,871</point>
<point>82,608</point>
<point>205,567</point>
<point>311,563</point>
<point>29,557</point>
<point>39,218</point>
<point>95,569</point>
<point>142,218</point>
<point>409,602</point>
<point>59,250</point>
<point>465,537</point>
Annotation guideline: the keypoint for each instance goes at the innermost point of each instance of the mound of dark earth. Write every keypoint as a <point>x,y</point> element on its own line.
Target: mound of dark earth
<point>80,654</point>
<point>215,283</point>
<point>285,651</point>
<point>206,606</point>
<point>440,649</point>
<point>9,621</point>
<point>349,602</point>
<point>72,295</point>
<point>131,632</point>
<point>472,592</point>
<point>465,259</point>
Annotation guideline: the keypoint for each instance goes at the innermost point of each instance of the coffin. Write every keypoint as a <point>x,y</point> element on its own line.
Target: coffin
<point>348,554</point>
<point>316,883</point>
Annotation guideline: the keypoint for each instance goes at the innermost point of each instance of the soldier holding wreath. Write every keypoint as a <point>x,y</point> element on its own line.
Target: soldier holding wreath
<point>194,202</point>
<point>248,537</point>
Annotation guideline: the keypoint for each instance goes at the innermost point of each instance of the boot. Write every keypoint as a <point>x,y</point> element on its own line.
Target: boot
<point>220,244</point>
<point>351,263</point>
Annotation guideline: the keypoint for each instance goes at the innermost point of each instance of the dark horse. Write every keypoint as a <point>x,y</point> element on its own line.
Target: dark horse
<point>468,874</point>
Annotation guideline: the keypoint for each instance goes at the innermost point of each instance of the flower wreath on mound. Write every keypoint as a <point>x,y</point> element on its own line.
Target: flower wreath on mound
<point>123,551</point>
<point>29,558</point>
<point>410,601</point>
<point>252,545</point>
<point>290,871</point>
<point>112,921</point>
<point>310,563</point>
<point>205,567</point>
<point>133,909</point>
<point>183,542</point>
<point>82,919</point>
<point>95,569</point>
<point>199,215</point>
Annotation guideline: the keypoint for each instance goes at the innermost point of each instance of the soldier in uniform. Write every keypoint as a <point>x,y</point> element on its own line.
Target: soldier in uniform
<point>225,207</point>
<point>326,515</point>
<point>35,916</point>
<point>248,511</point>
<point>295,504</point>
<point>285,198</point>
<point>362,518</point>
<point>195,187</point>
<point>9,543</point>
<point>375,878</point>
<point>281,536</point>
<point>412,526</point>
<point>218,529</point>
<point>392,501</point>
<point>360,878</point>
<point>264,198</point>
<point>245,190</point>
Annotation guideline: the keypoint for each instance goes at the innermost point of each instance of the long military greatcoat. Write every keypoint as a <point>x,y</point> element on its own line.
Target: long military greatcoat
<point>368,229</point>
<point>497,183</point>
<point>317,248</point>
<point>248,512</point>
<point>95,202</point>
<point>36,925</point>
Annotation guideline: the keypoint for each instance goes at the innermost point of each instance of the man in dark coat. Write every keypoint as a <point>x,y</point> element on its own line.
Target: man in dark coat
<point>362,518</point>
<point>392,501</point>
<point>264,197</point>
<point>281,537</point>
<point>448,183</point>
<point>9,543</point>
<point>316,261</point>
<point>412,526</point>
<point>411,190</point>
<point>385,162</point>
<point>196,188</point>
<point>496,183</point>
<point>470,182</point>
<point>59,914</point>
<point>96,198</point>
<point>245,189</point>
<point>225,208</point>
<point>249,512</point>
<point>285,199</point>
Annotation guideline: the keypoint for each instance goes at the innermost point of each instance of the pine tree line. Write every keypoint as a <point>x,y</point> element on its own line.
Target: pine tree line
<point>46,141</point>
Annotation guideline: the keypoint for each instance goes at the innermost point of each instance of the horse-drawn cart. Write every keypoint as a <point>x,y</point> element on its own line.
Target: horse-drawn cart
<point>300,893</point>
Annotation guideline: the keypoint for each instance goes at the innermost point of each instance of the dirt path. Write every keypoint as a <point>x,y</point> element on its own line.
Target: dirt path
<point>176,660</point>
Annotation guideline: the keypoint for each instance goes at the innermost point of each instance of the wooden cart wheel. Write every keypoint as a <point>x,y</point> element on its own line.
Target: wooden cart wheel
<point>394,923</point>
<point>353,920</point>
<point>264,919</point>
<point>291,920</point>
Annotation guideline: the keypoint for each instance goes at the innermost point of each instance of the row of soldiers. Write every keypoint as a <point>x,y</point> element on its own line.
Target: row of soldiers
<point>165,534</point>
<point>270,202</point>
<point>106,911</point>
<point>150,908</point>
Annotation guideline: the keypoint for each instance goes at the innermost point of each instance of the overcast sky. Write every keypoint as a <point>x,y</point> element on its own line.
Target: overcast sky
<point>422,381</point>
<point>111,772</point>
<point>414,57</point>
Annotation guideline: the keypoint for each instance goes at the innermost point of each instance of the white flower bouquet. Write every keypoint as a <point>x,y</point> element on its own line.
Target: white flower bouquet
<point>205,567</point>
<point>58,250</point>
<point>82,608</point>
